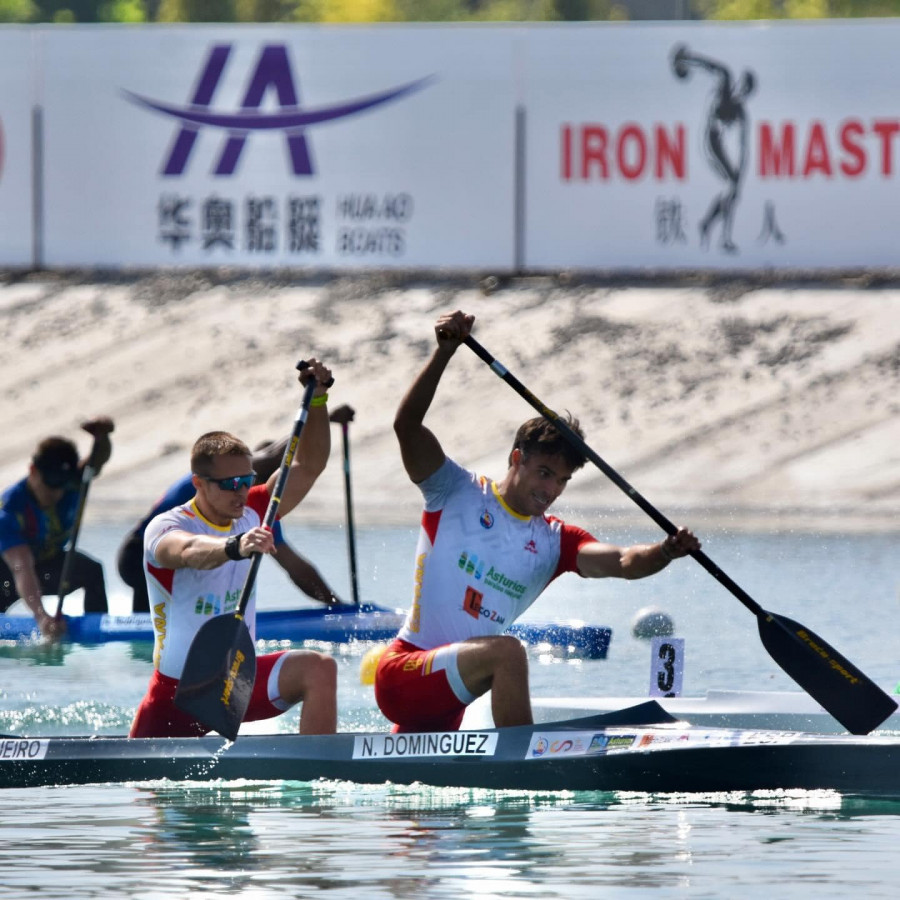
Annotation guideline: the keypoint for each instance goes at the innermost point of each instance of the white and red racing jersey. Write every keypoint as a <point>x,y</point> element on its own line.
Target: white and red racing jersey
<point>182,600</point>
<point>479,565</point>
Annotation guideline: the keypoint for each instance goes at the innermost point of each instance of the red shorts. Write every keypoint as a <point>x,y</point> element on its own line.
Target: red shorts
<point>158,716</point>
<point>412,694</point>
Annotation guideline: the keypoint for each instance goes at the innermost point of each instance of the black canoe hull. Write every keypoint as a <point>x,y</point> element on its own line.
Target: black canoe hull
<point>634,750</point>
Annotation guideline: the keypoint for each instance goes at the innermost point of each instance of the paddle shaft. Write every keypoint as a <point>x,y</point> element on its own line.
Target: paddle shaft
<point>275,500</point>
<point>577,441</point>
<point>348,503</point>
<point>87,476</point>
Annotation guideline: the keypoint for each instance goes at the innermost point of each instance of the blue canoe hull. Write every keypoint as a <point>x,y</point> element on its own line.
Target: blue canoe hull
<point>368,623</point>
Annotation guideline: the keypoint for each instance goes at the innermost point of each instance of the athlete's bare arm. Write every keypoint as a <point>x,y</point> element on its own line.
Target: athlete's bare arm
<point>421,451</point>
<point>183,550</point>
<point>596,560</point>
<point>313,448</point>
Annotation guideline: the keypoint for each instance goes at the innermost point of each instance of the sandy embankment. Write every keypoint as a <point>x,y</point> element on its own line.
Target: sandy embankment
<point>767,407</point>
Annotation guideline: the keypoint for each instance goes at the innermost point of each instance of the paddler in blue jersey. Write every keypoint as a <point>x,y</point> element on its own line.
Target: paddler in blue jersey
<point>37,516</point>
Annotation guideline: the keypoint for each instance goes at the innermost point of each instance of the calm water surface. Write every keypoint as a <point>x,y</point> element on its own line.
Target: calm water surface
<point>340,840</point>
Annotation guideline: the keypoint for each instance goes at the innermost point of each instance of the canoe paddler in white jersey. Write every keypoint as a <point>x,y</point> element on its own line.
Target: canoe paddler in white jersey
<point>196,559</point>
<point>486,551</point>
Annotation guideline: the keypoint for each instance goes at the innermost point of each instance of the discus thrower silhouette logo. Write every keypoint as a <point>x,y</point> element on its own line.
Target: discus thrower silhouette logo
<point>273,70</point>
<point>725,138</point>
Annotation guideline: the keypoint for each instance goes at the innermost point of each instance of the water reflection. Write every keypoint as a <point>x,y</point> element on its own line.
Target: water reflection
<point>202,834</point>
<point>414,841</point>
<point>36,653</point>
<point>328,835</point>
<point>285,839</point>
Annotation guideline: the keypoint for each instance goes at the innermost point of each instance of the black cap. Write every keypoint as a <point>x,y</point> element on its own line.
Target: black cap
<point>56,459</point>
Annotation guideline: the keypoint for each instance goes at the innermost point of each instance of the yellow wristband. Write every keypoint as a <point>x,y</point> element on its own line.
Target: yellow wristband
<point>321,400</point>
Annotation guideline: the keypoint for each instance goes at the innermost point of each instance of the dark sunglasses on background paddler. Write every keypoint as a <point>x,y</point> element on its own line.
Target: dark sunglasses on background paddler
<point>235,483</point>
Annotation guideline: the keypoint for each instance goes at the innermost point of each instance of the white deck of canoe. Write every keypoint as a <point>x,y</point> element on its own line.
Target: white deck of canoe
<point>766,710</point>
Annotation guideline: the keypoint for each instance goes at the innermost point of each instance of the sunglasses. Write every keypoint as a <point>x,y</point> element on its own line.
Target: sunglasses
<point>235,483</point>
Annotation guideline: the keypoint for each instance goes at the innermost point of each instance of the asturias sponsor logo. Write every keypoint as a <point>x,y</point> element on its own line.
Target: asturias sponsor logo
<point>606,742</point>
<point>272,71</point>
<point>209,605</point>
<point>474,566</point>
<point>509,586</point>
<point>471,565</point>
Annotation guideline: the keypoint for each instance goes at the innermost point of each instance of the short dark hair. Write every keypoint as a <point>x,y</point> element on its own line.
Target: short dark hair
<point>540,435</point>
<point>56,458</point>
<point>212,444</point>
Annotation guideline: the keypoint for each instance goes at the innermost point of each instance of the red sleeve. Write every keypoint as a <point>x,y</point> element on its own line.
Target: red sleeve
<point>258,500</point>
<point>572,540</point>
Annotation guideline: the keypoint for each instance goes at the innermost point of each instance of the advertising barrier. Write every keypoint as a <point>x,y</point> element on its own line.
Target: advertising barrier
<point>507,148</point>
<point>265,146</point>
<point>712,146</point>
<point>17,118</point>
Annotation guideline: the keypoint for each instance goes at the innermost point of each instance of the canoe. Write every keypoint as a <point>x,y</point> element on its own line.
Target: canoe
<point>639,749</point>
<point>769,710</point>
<point>340,625</point>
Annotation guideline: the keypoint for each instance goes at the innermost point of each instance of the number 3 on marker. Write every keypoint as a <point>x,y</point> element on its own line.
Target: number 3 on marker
<point>666,666</point>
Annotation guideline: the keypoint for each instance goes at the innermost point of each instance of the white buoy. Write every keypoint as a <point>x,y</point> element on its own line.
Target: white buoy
<point>651,622</point>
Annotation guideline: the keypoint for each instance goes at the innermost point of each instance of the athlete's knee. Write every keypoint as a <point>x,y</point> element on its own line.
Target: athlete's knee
<point>511,650</point>
<point>307,670</point>
<point>324,672</point>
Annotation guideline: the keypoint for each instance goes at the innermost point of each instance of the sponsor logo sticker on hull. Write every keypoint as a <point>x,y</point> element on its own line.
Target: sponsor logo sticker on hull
<point>443,743</point>
<point>15,749</point>
<point>135,622</point>
<point>557,743</point>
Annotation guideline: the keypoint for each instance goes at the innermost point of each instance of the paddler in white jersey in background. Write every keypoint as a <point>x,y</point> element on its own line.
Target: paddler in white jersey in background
<point>196,558</point>
<point>486,551</point>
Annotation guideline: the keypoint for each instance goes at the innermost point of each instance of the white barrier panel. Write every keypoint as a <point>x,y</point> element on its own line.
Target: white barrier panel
<point>16,98</point>
<point>279,146</point>
<point>712,145</point>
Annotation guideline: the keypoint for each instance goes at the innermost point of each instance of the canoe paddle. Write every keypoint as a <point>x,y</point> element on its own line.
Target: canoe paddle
<point>87,475</point>
<point>343,415</point>
<point>827,676</point>
<point>220,668</point>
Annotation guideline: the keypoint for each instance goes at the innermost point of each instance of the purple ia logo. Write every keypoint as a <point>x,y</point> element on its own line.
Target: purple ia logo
<point>273,70</point>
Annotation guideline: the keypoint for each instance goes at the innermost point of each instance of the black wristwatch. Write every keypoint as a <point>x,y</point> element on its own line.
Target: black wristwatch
<point>233,547</point>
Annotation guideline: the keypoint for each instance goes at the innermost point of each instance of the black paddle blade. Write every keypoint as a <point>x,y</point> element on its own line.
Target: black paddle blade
<point>829,678</point>
<point>218,676</point>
